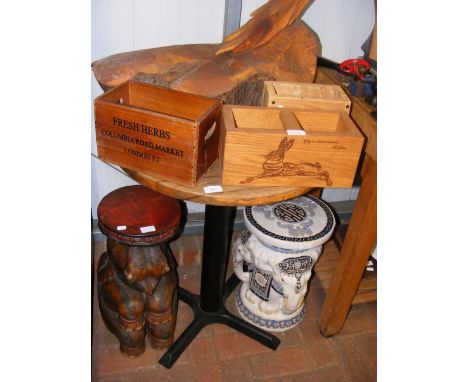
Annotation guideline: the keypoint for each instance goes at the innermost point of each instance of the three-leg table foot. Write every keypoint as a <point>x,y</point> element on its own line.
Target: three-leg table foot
<point>202,319</point>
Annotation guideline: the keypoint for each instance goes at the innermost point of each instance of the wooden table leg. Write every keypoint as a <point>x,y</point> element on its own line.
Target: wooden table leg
<point>357,247</point>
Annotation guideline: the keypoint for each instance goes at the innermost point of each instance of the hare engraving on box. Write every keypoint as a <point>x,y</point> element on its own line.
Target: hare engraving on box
<point>274,165</point>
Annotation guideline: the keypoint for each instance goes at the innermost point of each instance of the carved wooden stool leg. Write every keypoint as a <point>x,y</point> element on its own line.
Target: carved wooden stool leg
<point>122,308</point>
<point>162,306</point>
<point>162,312</point>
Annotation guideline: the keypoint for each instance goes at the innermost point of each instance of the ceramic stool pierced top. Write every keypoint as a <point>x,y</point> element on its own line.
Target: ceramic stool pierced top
<point>300,223</point>
<point>139,216</point>
<point>279,249</point>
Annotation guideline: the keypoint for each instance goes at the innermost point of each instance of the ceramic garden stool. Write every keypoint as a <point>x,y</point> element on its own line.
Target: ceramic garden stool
<point>137,277</point>
<point>274,258</point>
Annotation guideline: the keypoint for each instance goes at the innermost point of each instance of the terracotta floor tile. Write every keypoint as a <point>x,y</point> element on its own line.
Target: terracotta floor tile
<point>314,282</point>
<point>178,373</point>
<point>290,338</point>
<point>185,318</point>
<point>310,314</point>
<point>358,321</point>
<point>206,367</point>
<point>187,250</point>
<point>235,345</point>
<point>353,351</point>
<point>314,301</point>
<point>222,330</point>
<point>326,374</point>
<point>112,360</point>
<point>230,303</point>
<point>236,370</point>
<point>105,340</point>
<point>319,349</point>
<point>366,344</point>
<point>189,278</point>
<point>372,309</point>
<point>280,363</point>
<point>99,328</point>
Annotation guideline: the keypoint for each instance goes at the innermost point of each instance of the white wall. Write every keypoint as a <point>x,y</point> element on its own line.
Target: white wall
<point>342,25</point>
<point>126,25</point>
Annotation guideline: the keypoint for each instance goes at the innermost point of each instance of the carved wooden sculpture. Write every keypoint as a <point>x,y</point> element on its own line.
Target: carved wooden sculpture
<point>137,293</point>
<point>273,45</point>
<point>137,277</point>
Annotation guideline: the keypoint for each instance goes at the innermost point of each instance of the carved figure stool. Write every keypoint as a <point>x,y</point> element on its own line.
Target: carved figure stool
<point>137,277</point>
<point>274,258</point>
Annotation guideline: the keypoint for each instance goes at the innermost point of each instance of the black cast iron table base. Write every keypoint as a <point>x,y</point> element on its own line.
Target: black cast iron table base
<point>208,308</point>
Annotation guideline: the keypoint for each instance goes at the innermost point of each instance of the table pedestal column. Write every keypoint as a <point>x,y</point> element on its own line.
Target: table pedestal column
<point>208,307</point>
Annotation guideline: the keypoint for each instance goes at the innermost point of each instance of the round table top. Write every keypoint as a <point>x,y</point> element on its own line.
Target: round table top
<point>231,196</point>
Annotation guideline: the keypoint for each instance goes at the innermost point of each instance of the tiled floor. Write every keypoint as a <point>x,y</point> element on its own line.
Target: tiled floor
<point>219,353</point>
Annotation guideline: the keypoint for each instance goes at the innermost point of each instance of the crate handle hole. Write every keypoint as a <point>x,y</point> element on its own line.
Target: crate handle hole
<point>210,132</point>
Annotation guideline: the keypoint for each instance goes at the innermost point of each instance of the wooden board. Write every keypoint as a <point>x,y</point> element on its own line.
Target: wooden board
<point>158,131</point>
<point>305,95</point>
<point>258,148</point>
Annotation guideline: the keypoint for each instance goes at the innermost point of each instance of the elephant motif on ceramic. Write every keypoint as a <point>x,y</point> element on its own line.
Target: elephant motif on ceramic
<point>137,294</point>
<point>277,278</point>
<point>294,273</point>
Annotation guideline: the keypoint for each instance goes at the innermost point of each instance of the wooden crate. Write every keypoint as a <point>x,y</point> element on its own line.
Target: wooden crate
<point>305,95</point>
<point>158,131</point>
<point>288,147</point>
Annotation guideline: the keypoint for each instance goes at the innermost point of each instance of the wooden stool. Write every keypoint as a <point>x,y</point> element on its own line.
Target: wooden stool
<point>137,279</point>
<point>274,258</point>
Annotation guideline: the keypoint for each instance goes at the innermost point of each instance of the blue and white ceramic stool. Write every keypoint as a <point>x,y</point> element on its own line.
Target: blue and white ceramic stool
<point>274,258</point>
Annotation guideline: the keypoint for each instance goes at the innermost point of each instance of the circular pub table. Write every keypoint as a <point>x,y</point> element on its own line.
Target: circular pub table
<point>220,211</point>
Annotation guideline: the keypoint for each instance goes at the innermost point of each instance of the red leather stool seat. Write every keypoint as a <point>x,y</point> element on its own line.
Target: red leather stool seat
<point>136,215</point>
